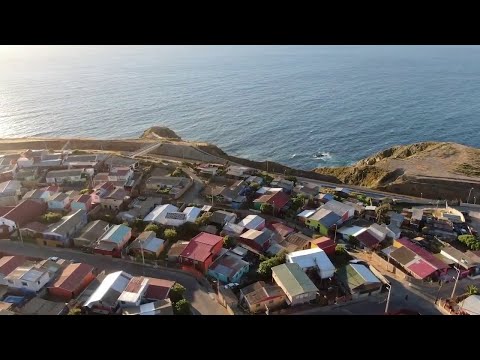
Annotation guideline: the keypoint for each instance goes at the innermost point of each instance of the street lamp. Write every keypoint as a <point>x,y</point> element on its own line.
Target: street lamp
<point>335,235</point>
<point>474,200</point>
<point>469,193</point>
<point>388,298</point>
<point>456,280</point>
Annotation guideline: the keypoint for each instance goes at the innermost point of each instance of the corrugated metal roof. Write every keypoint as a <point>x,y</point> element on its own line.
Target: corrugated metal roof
<point>252,222</point>
<point>471,305</point>
<point>116,234</point>
<point>293,279</point>
<point>421,268</point>
<point>116,281</point>
<point>72,276</point>
<point>311,258</point>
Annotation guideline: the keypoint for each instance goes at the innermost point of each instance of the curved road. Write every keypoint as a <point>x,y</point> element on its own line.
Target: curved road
<point>203,302</point>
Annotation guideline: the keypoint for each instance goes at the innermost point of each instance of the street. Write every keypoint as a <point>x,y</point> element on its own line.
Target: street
<point>202,301</point>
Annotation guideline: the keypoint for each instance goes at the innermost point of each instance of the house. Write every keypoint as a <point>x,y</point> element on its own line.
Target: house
<point>254,180</point>
<point>286,185</point>
<point>115,199</point>
<point>467,260</point>
<point>296,241</point>
<point>238,172</point>
<point>91,233</point>
<point>277,199</point>
<point>201,251</point>
<point>323,221</point>
<point>230,193</point>
<point>381,231</point>
<point>228,268</point>
<point>59,202</point>
<point>252,222</point>
<point>82,161</point>
<point>102,190</point>
<point>221,217</point>
<point>211,229</point>
<point>315,259</point>
<point>10,192</point>
<point>114,162</point>
<point>175,250</point>
<point>281,231</point>
<point>342,192</point>
<point>33,230</point>
<point>114,240</point>
<point>120,174</point>
<point>66,176</point>
<point>345,232</point>
<point>322,198</point>
<point>148,244</point>
<point>158,289</point>
<point>368,239</point>
<point>100,179</point>
<point>104,299</point>
<point>420,263</point>
<point>231,229</point>
<point>38,195</point>
<point>176,218</point>
<point>257,240</point>
<point>260,297</point>
<point>28,278</point>
<point>82,202</point>
<point>39,306</point>
<point>359,280</point>
<point>470,306</point>
<point>164,182</point>
<point>30,174</point>
<point>325,243</point>
<point>133,293</point>
<point>308,190</point>
<point>396,218</point>
<point>24,162</point>
<point>161,307</point>
<point>304,215</point>
<point>208,169</point>
<point>158,214</point>
<point>60,233</point>
<point>26,211</point>
<point>296,285</point>
<point>139,209</point>
<point>8,264</point>
<point>393,231</point>
<point>345,211</point>
<point>72,281</point>
<point>370,213</point>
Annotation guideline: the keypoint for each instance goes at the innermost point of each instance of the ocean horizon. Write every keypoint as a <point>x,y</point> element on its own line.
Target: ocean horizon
<point>302,106</point>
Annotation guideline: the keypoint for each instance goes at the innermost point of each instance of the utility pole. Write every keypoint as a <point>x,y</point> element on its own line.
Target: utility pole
<point>456,280</point>
<point>19,233</point>
<point>469,193</point>
<point>388,298</point>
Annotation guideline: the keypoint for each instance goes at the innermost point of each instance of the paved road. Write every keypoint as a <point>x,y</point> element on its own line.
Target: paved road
<point>202,301</point>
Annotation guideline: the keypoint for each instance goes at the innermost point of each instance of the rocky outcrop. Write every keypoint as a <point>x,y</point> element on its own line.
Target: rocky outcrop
<point>160,131</point>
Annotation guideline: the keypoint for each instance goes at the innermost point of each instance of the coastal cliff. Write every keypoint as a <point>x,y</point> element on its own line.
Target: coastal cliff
<point>429,169</point>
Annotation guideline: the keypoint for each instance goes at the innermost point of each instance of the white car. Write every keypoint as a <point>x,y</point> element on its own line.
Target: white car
<point>231,285</point>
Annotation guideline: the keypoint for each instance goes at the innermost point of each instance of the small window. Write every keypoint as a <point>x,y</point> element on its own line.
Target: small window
<point>38,282</point>
<point>24,283</point>
<point>10,281</point>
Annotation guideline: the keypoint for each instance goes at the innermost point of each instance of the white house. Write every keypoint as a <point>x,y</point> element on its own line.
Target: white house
<point>133,293</point>
<point>176,218</point>
<point>29,278</point>
<point>24,162</point>
<point>252,222</point>
<point>10,192</point>
<point>60,176</point>
<point>120,174</point>
<point>158,214</point>
<point>311,259</point>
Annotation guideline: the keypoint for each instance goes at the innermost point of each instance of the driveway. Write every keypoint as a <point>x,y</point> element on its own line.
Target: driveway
<point>203,302</point>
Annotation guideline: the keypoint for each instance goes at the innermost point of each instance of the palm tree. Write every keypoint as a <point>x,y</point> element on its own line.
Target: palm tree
<point>472,290</point>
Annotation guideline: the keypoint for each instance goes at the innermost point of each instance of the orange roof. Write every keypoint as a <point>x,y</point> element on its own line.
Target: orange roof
<point>72,276</point>
<point>10,263</point>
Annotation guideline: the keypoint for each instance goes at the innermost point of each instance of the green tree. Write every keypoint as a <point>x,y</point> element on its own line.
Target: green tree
<point>85,191</point>
<point>177,172</point>
<point>266,178</point>
<point>228,242</point>
<point>50,218</point>
<point>176,292</point>
<point>266,208</point>
<point>254,186</point>
<point>182,307</point>
<point>155,228</point>
<point>170,234</point>
<point>382,210</point>
<point>472,290</point>
<point>204,219</point>
<point>471,241</point>
<point>292,179</point>
<point>352,240</point>
<point>75,311</point>
<point>265,267</point>
<point>297,202</point>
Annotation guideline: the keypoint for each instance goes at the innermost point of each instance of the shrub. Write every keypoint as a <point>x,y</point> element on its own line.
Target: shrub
<point>176,293</point>
<point>50,218</point>
<point>182,307</point>
<point>170,234</point>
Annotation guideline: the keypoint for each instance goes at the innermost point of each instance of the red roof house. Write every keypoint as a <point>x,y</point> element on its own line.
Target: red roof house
<point>424,254</point>
<point>25,212</point>
<point>280,230</point>
<point>158,289</point>
<point>8,264</point>
<point>72,281</point>
<point>421,269</point>
<point>201,250</point>
<point>324,243</point>
<point>368,240</point>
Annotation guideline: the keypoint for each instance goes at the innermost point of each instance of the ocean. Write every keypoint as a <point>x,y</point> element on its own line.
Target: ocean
<point>303,106</point>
